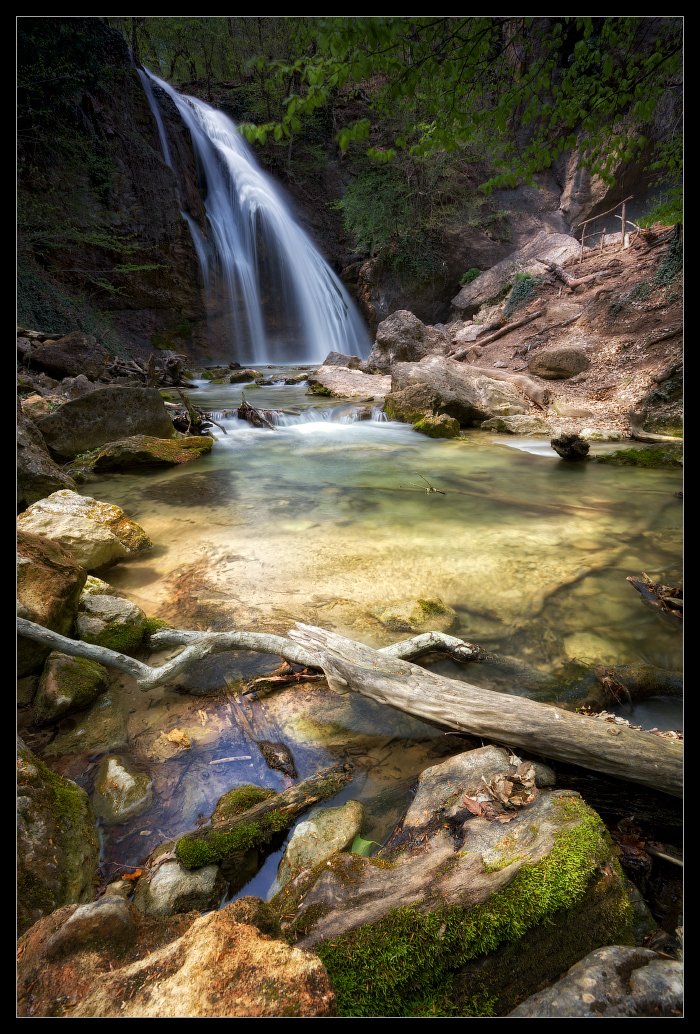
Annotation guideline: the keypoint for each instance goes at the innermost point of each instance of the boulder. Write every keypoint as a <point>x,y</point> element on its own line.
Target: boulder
<point>76,387</point>
<point>99,729</point>
<point>57,847</point>
<point>571,411</point>
<point>242,376</point>
<point>529,425</point>
<point>325,831</point>
<point>171,889</point>
<point>297,378</point>
<point>95,533</point>
<point>26,690</point>
<point>570,447</point>
<point>612,981</point>
<point>144,451</point>
<point>121,792</point>
<point>403,338</point>
<point>558,363</point>
<point>340,382</point>
<point>601,434</point>
<point>449,387</point>
<point>352,362</point>
<point>37,474</point>
<point>110,621</point>
<point>553,247</point>
<point>185,967</point>
<point>441,426</point>
<point>67,684</point>
<point>421,615</point>
<point>105,415</point>
<point>49,583</point>
<point>106,921</point>
<point>499,884</point>
<point>72,355</point>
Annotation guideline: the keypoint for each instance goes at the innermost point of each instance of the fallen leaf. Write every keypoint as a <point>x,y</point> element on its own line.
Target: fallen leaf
<point>179,737</point>
<point>473,806</point>
<point>135,875</point>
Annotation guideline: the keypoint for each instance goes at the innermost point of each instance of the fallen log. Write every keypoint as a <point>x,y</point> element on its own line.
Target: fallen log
<point>573,282</point>
<point>501,332</point>
<point>538,728</point>
<point>666,598</point>
<point>256,827</point>
<point>256,417</point>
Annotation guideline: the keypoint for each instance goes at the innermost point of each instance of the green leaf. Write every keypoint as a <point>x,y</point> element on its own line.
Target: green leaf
<point>363,847</point>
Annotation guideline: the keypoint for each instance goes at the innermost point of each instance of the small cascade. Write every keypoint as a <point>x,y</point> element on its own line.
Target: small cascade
<point>265,281</point>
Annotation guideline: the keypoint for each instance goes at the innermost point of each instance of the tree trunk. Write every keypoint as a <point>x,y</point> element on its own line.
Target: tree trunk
<point>539,728</point>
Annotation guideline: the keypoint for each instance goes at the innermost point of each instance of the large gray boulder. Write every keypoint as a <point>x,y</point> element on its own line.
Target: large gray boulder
<point>439,385</point>
<point>57,848</point>
<point>105,415</point>
<point>172,889</point>
<point>352,362</point>
<point>559,363</point>
<point>552,247</point>
<point>37,474</point>
<point>110,621</point>
<point>403,338</point>
<point>612,981</point>
<point>343,383</point>
<point>71,356</point>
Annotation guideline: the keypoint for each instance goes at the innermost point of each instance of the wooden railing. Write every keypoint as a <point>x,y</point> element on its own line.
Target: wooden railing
<point>602,233</point>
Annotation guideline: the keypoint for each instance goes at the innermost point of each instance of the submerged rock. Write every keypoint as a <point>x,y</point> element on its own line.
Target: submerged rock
<point>612,981</point>
<point>105,415</point>
<point>67,684</point>
<point>421,615</point>
<point>558,363</point>
<point>99,729</point>
<point>49,583</point>
<point>57,848</point>
<point>213,966</point>
<point>403,338</point>
<point>95,533</point>
<point>37,474</point>
<point>121,792</point>
<point>144,451</point>
<point>110,621</point>
<point>570,447</point>
<point>340,382</point>
<point>172,888</point>
<point>322,834</point>
<point>666,456</point>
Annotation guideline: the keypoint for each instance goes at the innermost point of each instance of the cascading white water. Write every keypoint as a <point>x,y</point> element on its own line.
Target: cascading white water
<point>283,301</point>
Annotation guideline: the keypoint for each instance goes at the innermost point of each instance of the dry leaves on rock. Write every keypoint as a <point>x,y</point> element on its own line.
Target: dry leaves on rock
<point>504,793</point>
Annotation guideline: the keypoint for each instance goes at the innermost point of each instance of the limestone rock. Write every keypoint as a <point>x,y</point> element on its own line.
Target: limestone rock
<point>612,981</point>
<point>72,355</point>
<point>121,792</point>
<point>144,451</point>
<point>340,382</point>
<point>57,848</point>
<point>528,425</point>
<point>571,411</point>
<point>67,684</point>
<point>106,415</point>
<point>325,831</point>
<point>119,889</point>
<point>49,583</point>
<point>352,362</point>
<point>559,363</point>
<point>37,474</point>
<point>172,888</point>
<point>441,426</point>
<point>95,533</point>
<point>554,247</point>
<point>110,621</point>
<point>403,338</point>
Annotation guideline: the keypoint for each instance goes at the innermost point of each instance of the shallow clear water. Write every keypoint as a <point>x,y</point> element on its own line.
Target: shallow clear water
<point>328,522</point>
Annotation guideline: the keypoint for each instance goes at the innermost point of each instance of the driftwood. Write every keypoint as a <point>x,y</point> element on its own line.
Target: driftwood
<point>575,281</point>
<point>193,420</point>
<point>666,598</point>
<point>539,728</point>
<point>256,417</point>
<point>501,332</point>
<point>384,676</point>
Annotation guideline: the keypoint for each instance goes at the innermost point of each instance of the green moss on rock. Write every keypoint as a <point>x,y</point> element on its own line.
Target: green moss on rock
<point>401,964</point>
<point>441,426</point>
<point>669,456</point>
<point>214,846</point>
<point>238,800</point>
<point>67,684</point>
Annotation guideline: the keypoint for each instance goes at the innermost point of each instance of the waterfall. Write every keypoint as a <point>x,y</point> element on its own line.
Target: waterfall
<point>279,298</point>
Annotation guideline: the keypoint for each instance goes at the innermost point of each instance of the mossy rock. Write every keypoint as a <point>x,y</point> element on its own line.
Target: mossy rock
<point>57,846</point>
<point>101,728</point>
<point>422,615</point>
<point>144,451</point>
<point>67,684</point>
<point>238,800</point>
<point>111,621</point>
<point>668,456</point>
<point>442,426</point>
<point>315,388</point>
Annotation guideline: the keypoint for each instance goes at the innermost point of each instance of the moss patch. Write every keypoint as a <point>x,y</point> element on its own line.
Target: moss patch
<point>319,389</point>
<point>669,456</point>
<point>214,846</point>
<point>236,801</point>
<point>153,625</point>
<point>442,426</point>
<point>401,965</point>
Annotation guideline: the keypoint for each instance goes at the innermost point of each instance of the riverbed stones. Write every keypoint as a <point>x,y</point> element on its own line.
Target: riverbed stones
<point>67,684</point>
<point>106,415</point>
<point>95,533</point>
<point>184,966</point>
<point>121,791</point>
<point>421,615</point>
<point>49,583</point>
<point>341,382</point>
<point>57,848</point>
<point>612,981</point>
<point>171,888</point>
<point>37,474</point>
<point>558,363</point>
<point>325,831</point>
<point>99,729</point>
<point>403,338</point>
<point>145,451</point>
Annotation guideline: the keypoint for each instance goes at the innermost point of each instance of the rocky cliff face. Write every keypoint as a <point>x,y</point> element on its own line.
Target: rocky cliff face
<point>103,245</point>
